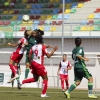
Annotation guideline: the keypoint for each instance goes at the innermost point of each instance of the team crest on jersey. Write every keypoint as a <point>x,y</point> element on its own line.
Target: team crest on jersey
<point>80,51</point>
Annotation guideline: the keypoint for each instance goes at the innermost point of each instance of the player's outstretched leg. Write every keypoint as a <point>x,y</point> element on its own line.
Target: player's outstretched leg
<point>27,70</point>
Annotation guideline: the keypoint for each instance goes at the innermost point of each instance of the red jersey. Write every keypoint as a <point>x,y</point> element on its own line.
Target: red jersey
<point>21,46</point>
<point>38,51</point>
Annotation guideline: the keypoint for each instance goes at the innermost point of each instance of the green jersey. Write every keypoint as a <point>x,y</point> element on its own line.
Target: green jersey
<point>78,62</point>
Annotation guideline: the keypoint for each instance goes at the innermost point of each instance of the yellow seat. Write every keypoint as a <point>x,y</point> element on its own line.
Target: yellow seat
<point>11,12</point>
<point>5,12</point>
<point>43,17</point>
<point>91,16</point>
<point>52,0</point>
<point>53,29</point>
<point>67,11</point>
<point>80,5</point>
<point>28,6</point>
<point>49,17</point>
<point>24,1</point>
<point>90,28</point>
<point>9,1</point>
<point>14,18</point>
<point>83,28</point>
<point>41,28</point>
<point>61,5</point>
<point>57,0</point>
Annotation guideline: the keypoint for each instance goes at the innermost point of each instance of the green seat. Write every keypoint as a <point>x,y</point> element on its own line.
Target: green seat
<point>9,17</point>
<point>49,12</point>
<point>29,28</point>
<point>19,22</point>
<point>45,1</point>
<point>56,5</point>
<point>22,12</point>
<point>2,1</point>
<point>13,23</point>
<point>96,28</point>
<point>1,11</point>
<point>27,12</point>
<point>40,1</point>
<point>4,18</point>
<point>44,12</point>
<point>22,6</point>
<point>73,11</point>
<point>19,1</point>
<point>45,6</point>
<point>97,22</point>
<point>74,0</point>
<point>17,28</point>
<point>54,16</point>
<point>77,28</point>
<point>17,6</point>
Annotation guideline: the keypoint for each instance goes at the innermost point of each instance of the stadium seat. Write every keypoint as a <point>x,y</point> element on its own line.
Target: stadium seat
<point>60,11</point>
<point>84,22</point>
<point>46,1</point>
<point>59,16</point>
<point>34,6</point>
<point>61,5</point>
<point>51,1</point>
<point>37,17</point>
<point>90,22</point>
<point>29,28</point>
<point>45,5</point>
<point>44,12</point>
<point>55,11</point>
<point>7,23</point>
<point>47,22</point>
<point>28,6</point>
<point>41,27</point>
<point>32,11</point>
<point>1,23</point>
<point>38,11</point>
<point>13,23</point>
<point>31,17</point>
<point>77,28</point>
<point>67,11</point>
<point>19,17</point>
<point>68,6</point>
<point>51,5</point>
<point>53,28</point>
<point>96,28</point>
<point>11,12</point>
<point>40,1</point>
<point>90,28</point>
<point>14,17</point>
<point>35,1</point>
<point>74,5</point>
<point>73,11</point>
<point>22,12</point>
<point>66,16</point>
<point>91,16</point>
<point>43,17</point>
<point>19,22</point>
<point>67,1</point>
<point>53,23</point>
<point>5,12</point>
<point>80,5</point>
<point>36,22</point>
<point>39,5</point>
<point>97,22</point>
<point>1,11</point>
<point>49,11</point>
<point>24,1</point>
<point>30,1</point>
<point>49,17</point>
<point>9,17</point>
<point>16,12</point>
<point>97,10</point>
<point>41,23</point>
<point>83,28</point>
<point>54,16</point>
<point>19,1</point>
<point>59,23</point>
<point>56,5</point>
<point>46,28</point>
<point>97,16</point>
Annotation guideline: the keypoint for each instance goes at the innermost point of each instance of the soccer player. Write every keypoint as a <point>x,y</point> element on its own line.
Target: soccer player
<point>17,54</point>
<point>31,42</point>
<point>80,69</point>
<point>64,66</point>
<point>37,64</point>
<point>18,72</point>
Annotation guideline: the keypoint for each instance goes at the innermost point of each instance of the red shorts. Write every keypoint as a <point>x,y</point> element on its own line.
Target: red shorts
<point>63,77</point>
<point>16,57</point>
<point>38,69</point>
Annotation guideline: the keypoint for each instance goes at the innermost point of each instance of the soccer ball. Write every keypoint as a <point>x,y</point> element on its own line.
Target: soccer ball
<point>25,18</point>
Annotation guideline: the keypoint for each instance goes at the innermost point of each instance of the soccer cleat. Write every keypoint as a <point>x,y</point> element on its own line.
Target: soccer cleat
<point>92,96</point>
<point>44,96</point>
<point>63,90</point>
<point>67,94</point>
<point>10,80</point>
<point>19,86</point>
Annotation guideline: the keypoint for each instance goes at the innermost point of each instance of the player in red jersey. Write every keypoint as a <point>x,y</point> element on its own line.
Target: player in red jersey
<point>17,54</point>
<point>64,66</point>
<point>37,64</point>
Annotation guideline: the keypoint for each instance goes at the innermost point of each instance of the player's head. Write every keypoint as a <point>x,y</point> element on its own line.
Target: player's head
<point>26,34</point>
<point>64,57</point>
<point>38,38</point>
<point>78,41</point>
<point>38,32</point>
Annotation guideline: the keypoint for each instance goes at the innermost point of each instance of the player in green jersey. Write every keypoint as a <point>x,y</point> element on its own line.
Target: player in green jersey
<point>80,70</point>
<point>18,72</point>
<point>31,42</point>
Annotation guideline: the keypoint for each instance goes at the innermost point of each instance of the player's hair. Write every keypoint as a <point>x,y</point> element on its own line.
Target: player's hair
<point>78,41</point>
<point>38,31</point>
<point>64,55</point>
<point>25,34</point>
<point>39,39</point>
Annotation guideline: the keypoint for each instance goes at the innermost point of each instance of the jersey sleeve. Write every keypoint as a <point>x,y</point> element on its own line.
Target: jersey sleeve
<point>69,64</point>
<point>79,51</point>
<point>44,50</point>
<point>60,65</point>
<point>19,42</point>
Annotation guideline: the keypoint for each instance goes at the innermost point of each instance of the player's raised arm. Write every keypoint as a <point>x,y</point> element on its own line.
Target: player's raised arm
<point>83,58</point>
<point>12,44</point>
<point>52,52</point>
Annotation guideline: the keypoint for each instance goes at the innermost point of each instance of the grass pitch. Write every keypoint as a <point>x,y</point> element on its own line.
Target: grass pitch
<point>34,94</point>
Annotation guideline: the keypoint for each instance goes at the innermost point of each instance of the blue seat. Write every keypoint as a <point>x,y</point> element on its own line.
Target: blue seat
<point>67,1</point>
<point>55,11</point>
<point>39,5</point>
<point>47,28</point>
<point>38,11</point>
<point>60,16</point>
<point>84,22</point>
<point>66,16</point>
<point>32,11</point>
<point>19,17</point>
<point>97,16</point>
<point>74,5</point>
<point>34,6</point>
<point>36,22</point>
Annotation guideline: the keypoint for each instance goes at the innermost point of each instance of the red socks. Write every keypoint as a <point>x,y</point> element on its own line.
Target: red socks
<point>30,80</point>
<point>62,84</point>
<point>44,86</point>
<point>13,69</point>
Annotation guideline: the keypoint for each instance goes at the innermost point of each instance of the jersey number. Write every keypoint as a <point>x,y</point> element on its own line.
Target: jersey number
<point>36,53</point>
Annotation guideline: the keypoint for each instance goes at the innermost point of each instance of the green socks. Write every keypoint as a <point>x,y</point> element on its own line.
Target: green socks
<point>90,87</point>
<point>72,87</point>
<point>26,72</point>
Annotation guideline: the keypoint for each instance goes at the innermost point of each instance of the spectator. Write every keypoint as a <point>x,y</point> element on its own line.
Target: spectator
<point>6,4</point>
<point>12,4</point>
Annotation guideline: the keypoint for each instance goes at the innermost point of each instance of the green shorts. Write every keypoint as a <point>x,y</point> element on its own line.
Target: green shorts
<point>79,73</point>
